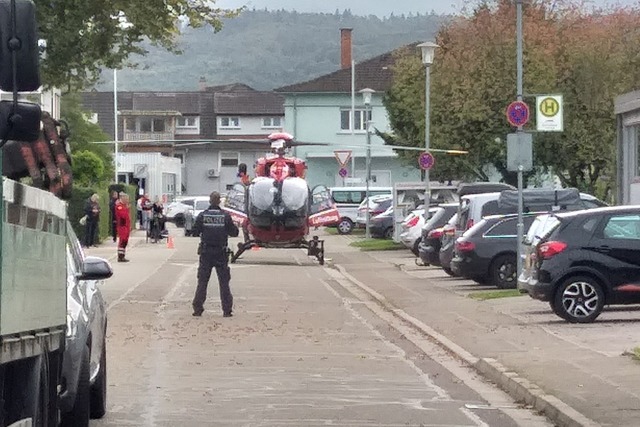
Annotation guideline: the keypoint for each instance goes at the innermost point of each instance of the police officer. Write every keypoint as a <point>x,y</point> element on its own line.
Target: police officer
<point>214,227</point>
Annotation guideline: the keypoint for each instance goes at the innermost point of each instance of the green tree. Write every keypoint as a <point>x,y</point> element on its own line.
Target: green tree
<point>84,135</point>
<point>588,57</point>
<point>85,36</point>
<point>88,169</point>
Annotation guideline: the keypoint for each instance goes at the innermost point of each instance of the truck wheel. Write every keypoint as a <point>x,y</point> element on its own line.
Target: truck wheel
<point>99,389</point>
<point>79,415</point>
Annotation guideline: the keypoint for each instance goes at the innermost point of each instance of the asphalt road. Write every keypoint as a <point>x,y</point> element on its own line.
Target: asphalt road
<point>303,349</point>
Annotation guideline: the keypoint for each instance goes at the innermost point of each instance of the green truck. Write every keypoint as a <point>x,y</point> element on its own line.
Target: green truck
<point>33,234</point>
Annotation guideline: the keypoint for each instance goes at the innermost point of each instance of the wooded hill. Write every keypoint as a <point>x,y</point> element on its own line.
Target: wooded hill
<point>270,49</point>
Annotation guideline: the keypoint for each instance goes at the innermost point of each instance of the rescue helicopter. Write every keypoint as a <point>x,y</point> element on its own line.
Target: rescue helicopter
<point>276,209</point>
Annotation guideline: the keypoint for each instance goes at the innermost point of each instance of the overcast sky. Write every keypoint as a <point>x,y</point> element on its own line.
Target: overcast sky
<point>371,7</point>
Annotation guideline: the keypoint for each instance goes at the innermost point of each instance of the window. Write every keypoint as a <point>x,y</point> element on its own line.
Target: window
<point>623,227</point>
<point>188,122</point>
<point>158,125</point>
<point>229,122</point>
<point>146,124</point>
<point>271,122</point>
<point>359,119</point>
<point>347,196</point>
<point>508,227</point>
<point>229,160</point>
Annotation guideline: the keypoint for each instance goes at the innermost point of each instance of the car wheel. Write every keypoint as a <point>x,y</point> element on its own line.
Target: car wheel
<point>504,271</point>
<point>579,299</point>
<point>449,271</point>
<point>388,233</point>
<point>79,414</point>
<point>99,389</point>
<point>179,220</point>
<point>345,226</point>
<point>416,249</point>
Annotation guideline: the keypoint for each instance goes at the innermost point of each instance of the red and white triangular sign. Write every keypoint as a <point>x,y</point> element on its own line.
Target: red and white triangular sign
<point>343,156</point>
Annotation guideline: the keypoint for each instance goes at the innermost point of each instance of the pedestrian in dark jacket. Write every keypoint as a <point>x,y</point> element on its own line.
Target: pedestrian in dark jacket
<point>214,226</point>
<point>92,213</point>
<point>112,215</point>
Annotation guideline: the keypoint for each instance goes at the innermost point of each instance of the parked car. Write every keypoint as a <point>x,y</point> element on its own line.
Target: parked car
<point>348,200</point>
<point>411,228</point>
<point>431,233</point>
<point>487,252</point>
<point>373,206</point>
<point>447,242</point>
<point>175,211</point>
<point>381,225</point>
<point>581,261</point>
<point>83,392</point>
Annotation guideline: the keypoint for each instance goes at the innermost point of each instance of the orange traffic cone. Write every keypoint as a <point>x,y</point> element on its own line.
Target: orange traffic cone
<point>170,243</point>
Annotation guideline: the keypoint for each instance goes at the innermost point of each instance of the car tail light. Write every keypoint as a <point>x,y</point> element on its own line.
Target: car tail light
<point>435,234</point>
<point>469,224</point>
<point>547,250</point>
<point>464,246</point>
<point>376,212</point>
<point>412,222</point>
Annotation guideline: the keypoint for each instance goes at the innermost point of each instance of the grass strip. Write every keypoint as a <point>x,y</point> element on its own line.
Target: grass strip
<point>377,245</point>
<point>500,293</point>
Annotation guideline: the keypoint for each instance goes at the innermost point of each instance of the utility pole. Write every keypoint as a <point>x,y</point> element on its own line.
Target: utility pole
<point>520,131</point>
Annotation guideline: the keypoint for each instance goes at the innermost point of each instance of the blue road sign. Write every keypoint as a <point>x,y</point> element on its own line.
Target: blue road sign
<point>426,160</point>
<point>343,172</point>
<point>518,113</point>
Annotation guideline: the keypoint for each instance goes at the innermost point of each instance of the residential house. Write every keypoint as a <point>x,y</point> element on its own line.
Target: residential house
<point>211,131</point>
<point>627,110</point>
<point>319,111</point>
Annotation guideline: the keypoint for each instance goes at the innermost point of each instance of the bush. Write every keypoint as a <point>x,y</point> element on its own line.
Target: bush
<point>79,199</point>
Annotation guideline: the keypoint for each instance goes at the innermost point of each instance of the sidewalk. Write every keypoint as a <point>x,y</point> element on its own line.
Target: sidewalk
<point>582,365</point>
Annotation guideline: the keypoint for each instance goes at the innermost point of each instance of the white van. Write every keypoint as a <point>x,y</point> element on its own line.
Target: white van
<point>348,199</point>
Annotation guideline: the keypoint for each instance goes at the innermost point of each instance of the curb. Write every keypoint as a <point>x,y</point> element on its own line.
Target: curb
<point>520,389</point>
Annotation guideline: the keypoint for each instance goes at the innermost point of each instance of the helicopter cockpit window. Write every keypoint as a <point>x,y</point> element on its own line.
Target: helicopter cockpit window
<point>235,197</point>
<point>261,193</point>
<point>295,193</point>
<point>321,199</point>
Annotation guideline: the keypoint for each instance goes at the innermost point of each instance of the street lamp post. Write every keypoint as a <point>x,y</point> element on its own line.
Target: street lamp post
<point>428,51</point>
<point>115,122</point>
<point>366,97</point>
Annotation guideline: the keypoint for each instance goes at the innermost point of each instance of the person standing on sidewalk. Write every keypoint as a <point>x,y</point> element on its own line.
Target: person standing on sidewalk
<point>214,226</point>
<point>112,215</point>
<point>123,219</point>
<point>92,213</point>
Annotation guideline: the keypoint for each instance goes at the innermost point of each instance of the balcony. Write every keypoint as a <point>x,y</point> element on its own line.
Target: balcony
<point>148,136</point>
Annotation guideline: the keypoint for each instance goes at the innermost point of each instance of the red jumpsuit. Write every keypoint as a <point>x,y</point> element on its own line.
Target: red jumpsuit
<point>123,223</point>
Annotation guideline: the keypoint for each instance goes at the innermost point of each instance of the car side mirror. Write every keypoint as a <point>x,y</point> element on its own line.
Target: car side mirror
<point>95,268</point>
<point>21,40</point>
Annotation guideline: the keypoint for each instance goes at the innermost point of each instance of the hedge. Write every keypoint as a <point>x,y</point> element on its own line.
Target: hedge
<point>79,199</point>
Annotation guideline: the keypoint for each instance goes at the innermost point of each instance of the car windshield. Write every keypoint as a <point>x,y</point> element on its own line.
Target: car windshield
<point>202,205</point>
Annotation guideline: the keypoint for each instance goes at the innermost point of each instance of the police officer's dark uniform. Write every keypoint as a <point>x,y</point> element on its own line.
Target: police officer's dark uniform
<point>214,226</point>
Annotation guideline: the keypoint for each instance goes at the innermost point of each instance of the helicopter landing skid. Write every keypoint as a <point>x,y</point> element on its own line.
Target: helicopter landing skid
<point>314,247</point>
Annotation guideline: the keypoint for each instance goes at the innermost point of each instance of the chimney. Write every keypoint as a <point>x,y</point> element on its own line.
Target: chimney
<point>345,48</point>
<point>202,84</point>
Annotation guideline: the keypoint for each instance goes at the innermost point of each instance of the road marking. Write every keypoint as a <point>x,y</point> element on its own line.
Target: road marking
<point>133,288</point>
<point>441,393</point>
<point>418,333</point>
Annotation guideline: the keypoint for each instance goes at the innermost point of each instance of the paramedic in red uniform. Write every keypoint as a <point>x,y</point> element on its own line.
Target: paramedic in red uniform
<point>123,221</point>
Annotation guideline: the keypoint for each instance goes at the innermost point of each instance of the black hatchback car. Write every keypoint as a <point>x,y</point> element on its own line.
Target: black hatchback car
<point>429,247</point>
<point>486,253</point>
<point>581,261</point>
